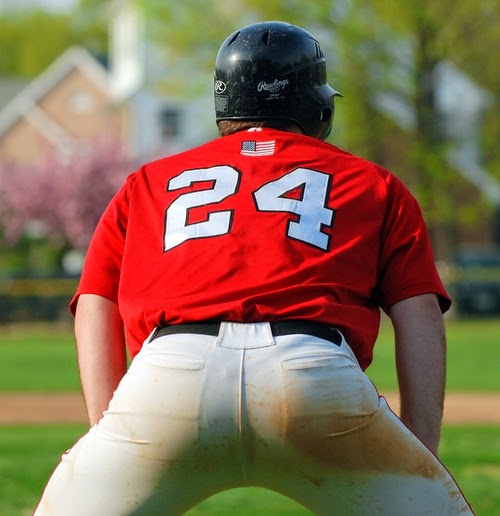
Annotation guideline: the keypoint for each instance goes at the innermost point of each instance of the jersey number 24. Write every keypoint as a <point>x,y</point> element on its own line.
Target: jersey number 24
<point>311,208</point>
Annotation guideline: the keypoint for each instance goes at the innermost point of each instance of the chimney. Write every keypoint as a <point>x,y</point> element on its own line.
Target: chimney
<point>126,49</point>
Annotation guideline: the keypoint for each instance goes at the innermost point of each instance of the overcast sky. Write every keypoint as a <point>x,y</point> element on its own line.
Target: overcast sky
<point>48,4</point>
<point>57,4</point>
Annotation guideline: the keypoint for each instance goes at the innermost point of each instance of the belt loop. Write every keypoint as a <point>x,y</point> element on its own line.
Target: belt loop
<point>245,335</point>
<point>274,329</point>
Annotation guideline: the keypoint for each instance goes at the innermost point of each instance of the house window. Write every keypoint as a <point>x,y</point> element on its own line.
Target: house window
<point>81,102</point>
<point>170,122</point>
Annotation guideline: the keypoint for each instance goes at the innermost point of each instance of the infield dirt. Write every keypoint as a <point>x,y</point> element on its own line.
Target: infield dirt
<point>39,408</point>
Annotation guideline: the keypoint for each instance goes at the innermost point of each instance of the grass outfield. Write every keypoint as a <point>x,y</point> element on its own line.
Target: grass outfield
<point>473,345</point>
<point>42,358</point>
<point>28,455</point>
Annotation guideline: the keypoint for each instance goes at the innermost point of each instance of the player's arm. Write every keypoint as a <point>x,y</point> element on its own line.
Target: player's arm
<point>421,365</point>
<point>100,345</point>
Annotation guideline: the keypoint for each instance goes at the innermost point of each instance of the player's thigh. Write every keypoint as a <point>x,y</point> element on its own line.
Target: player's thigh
<point>147,439</point>
<point>101,475</point>
<point>378,467</point>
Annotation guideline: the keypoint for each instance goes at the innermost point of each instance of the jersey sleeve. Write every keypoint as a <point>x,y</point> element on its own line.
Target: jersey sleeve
<point>406,267</point>
<point>101,270</point>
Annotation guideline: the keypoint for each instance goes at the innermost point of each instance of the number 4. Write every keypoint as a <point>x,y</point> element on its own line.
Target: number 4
<point>310,207</point>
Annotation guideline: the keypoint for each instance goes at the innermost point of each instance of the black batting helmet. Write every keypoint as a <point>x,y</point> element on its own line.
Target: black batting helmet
<point>274,70</point>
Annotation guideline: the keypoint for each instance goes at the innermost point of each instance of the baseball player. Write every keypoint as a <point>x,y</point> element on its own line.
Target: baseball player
<point>246,277</point>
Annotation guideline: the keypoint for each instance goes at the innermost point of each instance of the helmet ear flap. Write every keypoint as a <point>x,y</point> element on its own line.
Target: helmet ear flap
<point>326,115</point>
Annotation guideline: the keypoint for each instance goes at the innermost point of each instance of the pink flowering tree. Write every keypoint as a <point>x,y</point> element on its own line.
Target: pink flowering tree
<point>64,195</point>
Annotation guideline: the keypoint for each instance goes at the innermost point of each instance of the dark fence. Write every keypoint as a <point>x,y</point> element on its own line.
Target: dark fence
<point>44,299</point>
<point>473,292</point>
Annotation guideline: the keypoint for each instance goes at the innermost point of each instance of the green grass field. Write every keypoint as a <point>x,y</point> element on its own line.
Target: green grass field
<point>473,351</point>
<point>29,453</point>
<point>42,358</point>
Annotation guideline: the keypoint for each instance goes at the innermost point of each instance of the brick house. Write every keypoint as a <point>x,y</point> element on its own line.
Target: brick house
<point>63,110</point>
<point>78,99</point>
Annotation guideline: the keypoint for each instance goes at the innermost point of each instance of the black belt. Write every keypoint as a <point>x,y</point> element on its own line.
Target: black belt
<point>278,328</point>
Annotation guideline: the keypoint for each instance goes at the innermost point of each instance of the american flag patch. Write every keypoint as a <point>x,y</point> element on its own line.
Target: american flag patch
<point>255,148</point>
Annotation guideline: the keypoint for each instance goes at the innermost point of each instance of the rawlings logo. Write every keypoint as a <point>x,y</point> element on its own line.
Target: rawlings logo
<point>220,87</point>
<point>273,87</point>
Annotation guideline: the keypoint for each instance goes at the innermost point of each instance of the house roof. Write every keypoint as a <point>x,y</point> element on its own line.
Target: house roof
<point>24,104</point>
<point>9,88</point>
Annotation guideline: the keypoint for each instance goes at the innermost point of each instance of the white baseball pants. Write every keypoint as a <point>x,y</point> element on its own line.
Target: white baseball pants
<point>198,414</point>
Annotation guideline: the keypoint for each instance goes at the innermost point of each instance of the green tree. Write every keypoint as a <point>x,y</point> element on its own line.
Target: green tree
<point>462,33</point>
<point>372,48</point>
<point>31,40</point>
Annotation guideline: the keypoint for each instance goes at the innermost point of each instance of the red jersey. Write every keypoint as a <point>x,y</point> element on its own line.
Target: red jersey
<point>259,226</point>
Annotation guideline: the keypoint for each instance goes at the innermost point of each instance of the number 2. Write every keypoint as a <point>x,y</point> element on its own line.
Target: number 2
<point>310,208</point>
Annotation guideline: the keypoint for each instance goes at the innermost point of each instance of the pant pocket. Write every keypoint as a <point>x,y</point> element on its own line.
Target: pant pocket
<point>173,361</point>
<point>327,393</point>
<point>176,352</point>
